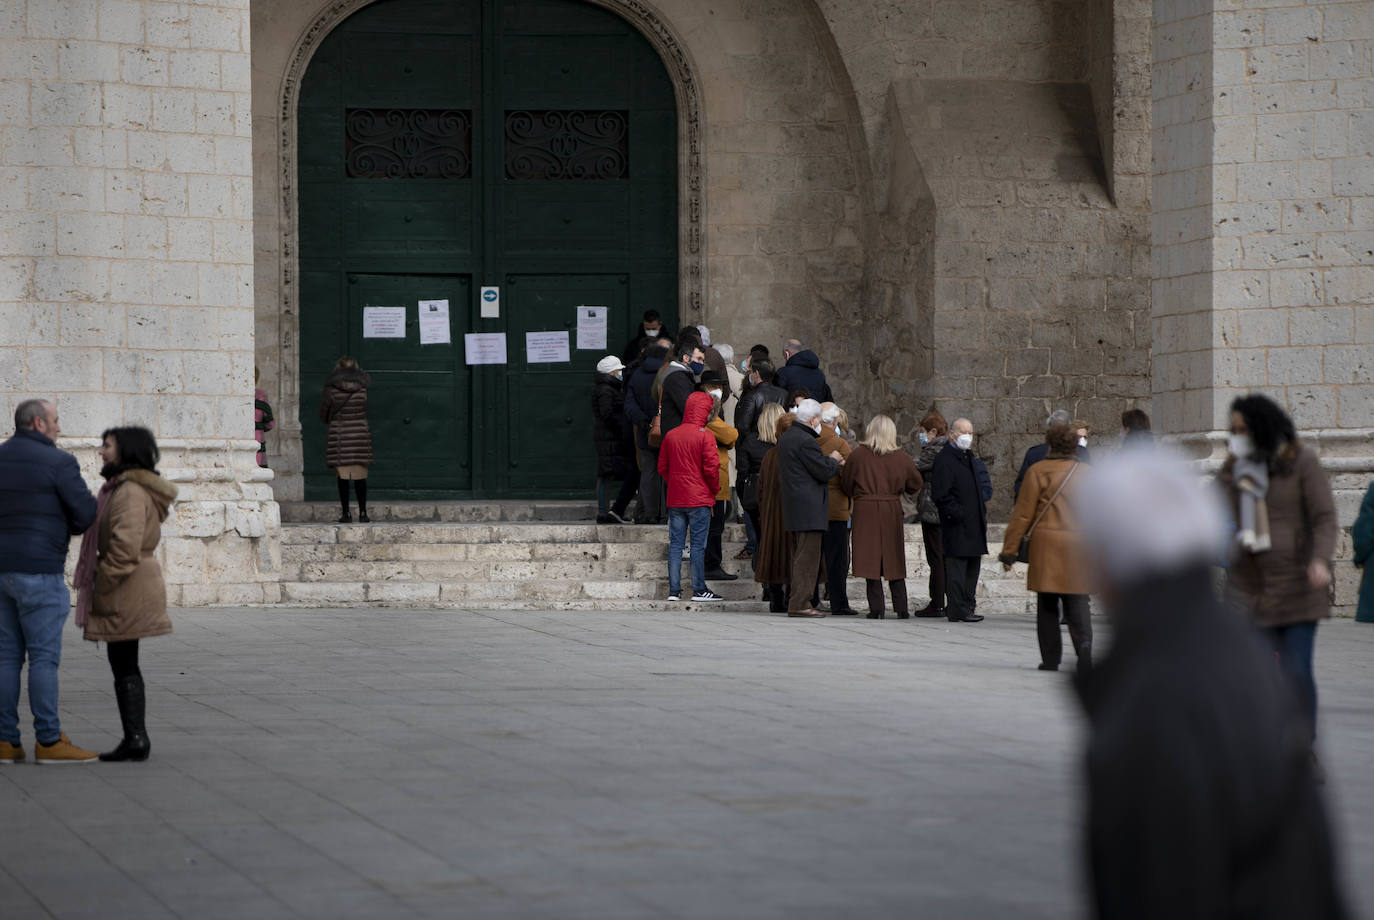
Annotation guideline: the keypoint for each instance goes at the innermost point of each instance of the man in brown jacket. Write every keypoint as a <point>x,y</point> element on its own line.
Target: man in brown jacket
<point>835,541</point>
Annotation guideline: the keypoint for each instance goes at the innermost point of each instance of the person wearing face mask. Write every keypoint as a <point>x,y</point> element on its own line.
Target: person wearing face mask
<point>759,391</point>
<point>1280,570</point>
<point>726,436</point>
<point>678,380</point>
<point>959,495</point>
<point>650,328</point>
<point>1038,452</point>
<point>934,435</point>
<point>640,409</point>
<point>614,442</point>
<point>804,472</point>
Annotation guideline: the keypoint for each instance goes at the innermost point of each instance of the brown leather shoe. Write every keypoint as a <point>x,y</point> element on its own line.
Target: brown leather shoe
<point>808,612</point>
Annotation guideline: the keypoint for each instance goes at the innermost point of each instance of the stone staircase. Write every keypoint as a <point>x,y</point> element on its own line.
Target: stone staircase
<point>513,555</point>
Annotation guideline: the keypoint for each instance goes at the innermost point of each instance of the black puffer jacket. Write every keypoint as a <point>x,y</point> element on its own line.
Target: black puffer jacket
<point>610,430</point>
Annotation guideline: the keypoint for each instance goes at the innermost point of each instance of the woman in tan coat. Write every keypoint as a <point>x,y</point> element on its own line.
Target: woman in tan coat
<point>348,442</point>
<point>875,476</point>
<point>1058,569</point>
<point>123,597</point>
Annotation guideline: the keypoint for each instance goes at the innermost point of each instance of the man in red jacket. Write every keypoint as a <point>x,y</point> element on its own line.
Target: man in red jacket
<point>690,467</point>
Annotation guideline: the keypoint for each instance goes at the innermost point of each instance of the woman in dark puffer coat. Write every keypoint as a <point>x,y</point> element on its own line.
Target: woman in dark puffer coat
<point>348,443</point>
<point>615,451</point>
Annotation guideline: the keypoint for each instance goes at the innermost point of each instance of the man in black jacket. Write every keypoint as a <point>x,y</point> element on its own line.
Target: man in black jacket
<point>804,473</point>
<point>679,380</point>
<point>963,521</point>
<point>640,409</point>
<point>803,370</point>
<point>760,393</point>
<point>1037,453</point>
<point>43,504</point>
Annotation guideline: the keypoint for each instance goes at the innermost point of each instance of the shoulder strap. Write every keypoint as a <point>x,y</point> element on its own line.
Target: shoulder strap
<point>1065,481</point>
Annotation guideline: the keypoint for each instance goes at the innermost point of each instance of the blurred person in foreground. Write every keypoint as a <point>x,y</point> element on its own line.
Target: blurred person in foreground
<point>1202,801</point>
<point>1362,536</point>
<point>1280,571</point>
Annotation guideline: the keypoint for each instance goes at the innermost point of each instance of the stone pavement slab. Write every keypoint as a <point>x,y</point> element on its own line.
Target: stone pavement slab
<point>702,764</point>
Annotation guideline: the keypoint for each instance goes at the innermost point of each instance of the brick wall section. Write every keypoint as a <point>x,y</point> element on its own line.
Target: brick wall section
<point>126,268</point>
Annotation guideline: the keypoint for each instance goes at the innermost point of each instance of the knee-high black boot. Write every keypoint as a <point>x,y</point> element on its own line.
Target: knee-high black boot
<point>345,518</point>
<point>360,487</point>
<point>135,745</point>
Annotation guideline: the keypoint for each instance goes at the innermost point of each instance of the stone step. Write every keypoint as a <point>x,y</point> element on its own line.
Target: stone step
<point>454,512</point>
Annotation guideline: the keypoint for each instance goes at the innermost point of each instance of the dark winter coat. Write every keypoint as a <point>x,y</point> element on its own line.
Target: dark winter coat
<point>877,483</point>
<point>751,404</point>
<point>804,370</point>
<point>678,383</point>
<point>958,495</point>
<point>343,407</point>
<point>1034,456</point>
<point>130,599</point>
<point>688,461</point>
<point>749,459</point>
<point>1201,798</point>
<point>1274,585</point>
<point>773,553</point>
<point>1362,536</point>
<point>43,504</point>
<point>925,462</point>
<point>804,471</point>
<point>610,429</point>
<point>640,406</point>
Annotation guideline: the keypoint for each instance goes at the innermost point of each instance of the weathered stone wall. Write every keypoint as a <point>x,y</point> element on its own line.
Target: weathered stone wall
<point>1264,226</point>
<point>126,269</point>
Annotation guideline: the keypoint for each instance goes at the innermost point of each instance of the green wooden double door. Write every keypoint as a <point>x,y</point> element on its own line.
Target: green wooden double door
<point>450,145</point>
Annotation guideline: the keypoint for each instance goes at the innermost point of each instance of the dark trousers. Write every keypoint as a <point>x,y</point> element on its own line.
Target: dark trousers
<point>806,566</point>
<point>875,595</point>
<point>961,584</point>
<point>653,504</point>
<point>835,549</point>
<point>1077,613</point>
<point>628,486</point>
<point>714,554</point>
<point>935,557</point>
<point>753,518</point>
<point>1294,645</point>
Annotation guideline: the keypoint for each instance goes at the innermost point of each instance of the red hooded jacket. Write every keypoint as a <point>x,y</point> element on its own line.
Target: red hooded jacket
<point>687,459</point>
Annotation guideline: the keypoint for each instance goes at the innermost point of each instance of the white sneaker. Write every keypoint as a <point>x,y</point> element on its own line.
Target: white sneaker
<point>674,597</point>
<point>707,595</point>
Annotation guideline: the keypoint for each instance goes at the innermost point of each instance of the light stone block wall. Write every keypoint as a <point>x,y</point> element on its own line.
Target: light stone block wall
<point>126,261</point>
<point>1264,225</point>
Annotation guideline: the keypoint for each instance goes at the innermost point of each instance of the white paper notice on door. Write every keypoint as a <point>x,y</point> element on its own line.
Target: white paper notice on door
<point>485,347</point>
<point>547,347</point>
<point>591,328</point>
<point>384,322</point>
<point>434,328</point>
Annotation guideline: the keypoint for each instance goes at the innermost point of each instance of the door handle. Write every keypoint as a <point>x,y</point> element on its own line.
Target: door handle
<point>406,420</point>
<point>568,420</point>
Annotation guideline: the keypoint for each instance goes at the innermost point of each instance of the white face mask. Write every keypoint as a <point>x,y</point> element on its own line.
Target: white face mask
<point>964,441</point>
<point>1240,445</point>
<point>714,393</point>
<point>1082,442</point>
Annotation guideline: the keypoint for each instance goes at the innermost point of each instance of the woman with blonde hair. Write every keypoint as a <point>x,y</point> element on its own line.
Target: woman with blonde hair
<point>773,561</point>
<point>875,476</point>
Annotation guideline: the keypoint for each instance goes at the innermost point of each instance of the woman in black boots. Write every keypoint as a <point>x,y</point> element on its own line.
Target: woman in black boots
<point>122,597</point>
<point>348,443</point>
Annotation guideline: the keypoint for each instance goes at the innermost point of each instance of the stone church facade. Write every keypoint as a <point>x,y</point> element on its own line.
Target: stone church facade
<point>995,207</point>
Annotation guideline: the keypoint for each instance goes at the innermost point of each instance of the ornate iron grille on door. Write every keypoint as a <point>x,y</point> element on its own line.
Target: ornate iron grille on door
<point>408,144</point>
<point>567,145</point>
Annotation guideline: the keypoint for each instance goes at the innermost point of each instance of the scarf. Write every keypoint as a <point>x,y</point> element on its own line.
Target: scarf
<point>1252,485</point>
<point>84,579</point>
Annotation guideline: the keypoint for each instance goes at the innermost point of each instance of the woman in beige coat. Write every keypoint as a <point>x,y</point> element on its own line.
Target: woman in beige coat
<point>1058,570</point>
<point>123,597</point>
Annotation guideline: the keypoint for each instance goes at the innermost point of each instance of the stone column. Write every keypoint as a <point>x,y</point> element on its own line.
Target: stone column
<point>1263,201</point>
<point>126,259</point>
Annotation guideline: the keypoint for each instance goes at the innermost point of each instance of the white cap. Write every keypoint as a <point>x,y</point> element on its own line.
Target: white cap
<point>829,412</point>
<point>1148,512</point>
<point>609,365</point>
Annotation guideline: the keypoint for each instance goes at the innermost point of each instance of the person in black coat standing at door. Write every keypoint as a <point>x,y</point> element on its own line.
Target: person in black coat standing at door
<point>640,409</point>
<point>958,495</point>
<point>614,442</point>
<point>805,473</point>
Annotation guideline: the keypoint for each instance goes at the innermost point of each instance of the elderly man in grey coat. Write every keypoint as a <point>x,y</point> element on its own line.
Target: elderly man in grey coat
<point>805,472</point>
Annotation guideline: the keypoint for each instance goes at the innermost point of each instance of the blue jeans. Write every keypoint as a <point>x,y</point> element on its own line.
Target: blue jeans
<point>679,521</point>
<point>33,610</point>
<point>1294,644</point>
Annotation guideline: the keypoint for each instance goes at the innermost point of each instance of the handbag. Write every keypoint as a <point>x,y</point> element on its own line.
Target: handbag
<point>748,490</point>
<point>655,435</point>
<point>1023,551</point>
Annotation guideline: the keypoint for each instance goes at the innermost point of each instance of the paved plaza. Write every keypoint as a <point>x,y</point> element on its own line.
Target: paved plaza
<point>695,764</point>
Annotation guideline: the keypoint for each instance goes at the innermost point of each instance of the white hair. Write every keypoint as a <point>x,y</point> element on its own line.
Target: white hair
<point>807,410</point>
<point>829,412</point>
<point>705,336</point>
<point>727,352</point>
<point>1148,513</point>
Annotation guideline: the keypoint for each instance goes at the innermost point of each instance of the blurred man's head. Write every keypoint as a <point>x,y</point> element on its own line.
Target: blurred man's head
<point>37,415</point>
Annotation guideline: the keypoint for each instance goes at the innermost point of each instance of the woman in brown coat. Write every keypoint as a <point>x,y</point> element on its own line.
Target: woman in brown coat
<point>122,597</point>
<point>348,443</point>
<point>875,476</point>
<point>773,561</point>
<point>1280,573</point>
<point>1058,570</point>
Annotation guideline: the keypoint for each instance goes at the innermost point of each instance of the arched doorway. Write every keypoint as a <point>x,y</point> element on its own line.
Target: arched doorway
<point>450,145</point>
